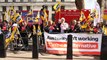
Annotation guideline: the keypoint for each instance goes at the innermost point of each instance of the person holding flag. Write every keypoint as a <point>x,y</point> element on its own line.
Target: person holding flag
<point>44,15</point>
<point>15,20</point>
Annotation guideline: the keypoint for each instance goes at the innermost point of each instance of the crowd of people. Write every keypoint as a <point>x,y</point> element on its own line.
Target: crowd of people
<point>76,26</point>
<point>40,25</point>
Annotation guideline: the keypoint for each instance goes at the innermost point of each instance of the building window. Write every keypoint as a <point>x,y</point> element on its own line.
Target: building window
<point>4,8</point>
<point>20,8</point>
<point>14,0</point>
<point>46,7</point>
<point>25,0</point>
<point>53,17</point>
<point>53,0</point>
<point>28,8</point>
<point>62,0</point>
<point>17,0</point>
<point>63,7</point>
<point>29,0</point>
<point>33,0</point>
<point>21,0</point>
<point>6,0</point>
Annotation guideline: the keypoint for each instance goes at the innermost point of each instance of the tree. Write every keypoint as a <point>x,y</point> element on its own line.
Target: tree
<point>79,4</point>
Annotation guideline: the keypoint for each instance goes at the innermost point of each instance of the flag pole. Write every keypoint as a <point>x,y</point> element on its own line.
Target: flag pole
<point>60,11</point>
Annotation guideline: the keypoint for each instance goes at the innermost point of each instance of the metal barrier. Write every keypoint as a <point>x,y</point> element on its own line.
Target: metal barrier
<point>103,55</point>
<point>35,47</point>
<point>69,47</point>
<point>2,46</point>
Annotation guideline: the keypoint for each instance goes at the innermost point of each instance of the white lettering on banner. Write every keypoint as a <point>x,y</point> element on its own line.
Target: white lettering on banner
<point>85,45</point>
<point>82,43</point>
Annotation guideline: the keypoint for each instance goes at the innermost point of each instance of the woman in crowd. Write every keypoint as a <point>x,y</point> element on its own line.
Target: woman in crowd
<point>51,27</point>
<point>58,26</point>
<point>91,26</point>
<point>64,26</point>
<point>72,25</point>
<point>75,26</point>
<point>97,28</point>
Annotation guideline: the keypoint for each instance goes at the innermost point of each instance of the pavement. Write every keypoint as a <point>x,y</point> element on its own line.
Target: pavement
<point>27,55</point>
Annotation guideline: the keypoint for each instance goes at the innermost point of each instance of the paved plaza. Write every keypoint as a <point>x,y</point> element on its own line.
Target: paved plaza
<point>27,55</point>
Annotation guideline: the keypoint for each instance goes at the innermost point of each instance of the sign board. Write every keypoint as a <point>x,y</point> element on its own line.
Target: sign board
<point>83,43</point>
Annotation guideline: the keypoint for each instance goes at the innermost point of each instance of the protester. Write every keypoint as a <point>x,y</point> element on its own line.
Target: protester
<point>55,27</point>
<point>5,27</point>
<point>105,29</point>
<point>91,27</point>
<point>64,26</point>
<point>77,27</point>
<point>72,25</point>
<point>44,25</point>
<point>97,29</point>
<point>58,26</point>
<point>51,27</point>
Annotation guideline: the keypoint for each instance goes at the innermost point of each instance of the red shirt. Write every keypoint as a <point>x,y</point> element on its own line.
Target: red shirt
<point>51,28</point>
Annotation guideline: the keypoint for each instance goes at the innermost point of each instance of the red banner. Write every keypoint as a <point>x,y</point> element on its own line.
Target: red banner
<point>70,15</point>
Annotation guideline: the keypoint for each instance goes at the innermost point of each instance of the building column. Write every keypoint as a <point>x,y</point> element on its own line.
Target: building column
<point>16,8</point>
<point>24,8</point>
<point>39,0</point>
<point>50,12</point>
<point>68,7</point>
<point>1,8</point>
<point>0,12</point>
<point>37,8</point>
